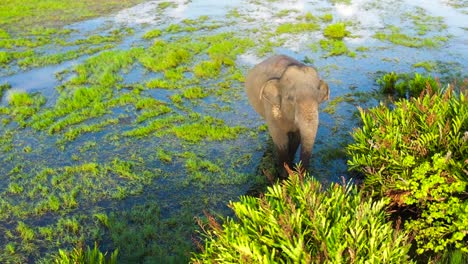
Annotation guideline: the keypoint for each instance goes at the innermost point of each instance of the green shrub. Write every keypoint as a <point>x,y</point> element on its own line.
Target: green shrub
<point>88,256</point>
<point>298,222</point>
<point>416,154</point>
<point>404,85</point>
<point>335,48</point>
<point>336,31</point>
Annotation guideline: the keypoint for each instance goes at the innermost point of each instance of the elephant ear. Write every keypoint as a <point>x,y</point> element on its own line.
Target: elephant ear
<point>323,88</point>
<point>270,92</point>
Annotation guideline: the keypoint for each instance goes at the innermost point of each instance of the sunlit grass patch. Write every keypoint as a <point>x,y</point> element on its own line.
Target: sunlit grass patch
<point>164,156</point>
<point>103,68</point>
<point>163,55</point>
<point>166,4</point>
<point>194,93</point>
<point>206,128</point>
<point>161,83</point>
<point>207,69</point>
<point>5,57</point>
<point>26,51</point>
<point>225,47</point>
<point>152,34</point>
<point>69,187</point>
<point>327,17</point>
<point>42,60</point>
<point>394,35</point>
<point>285,12</point>
<point>150,109</point>
<point>23,105</point>
<point>426,65</point>
<point>113,37</point>
<point>18,15</point>
<point>424,23</point>
<point>336,31</point>
<point>74,132</point>
<point>157,126</point>
<point>295,28</point>
<point>208,170</point>
<point>335,48</point>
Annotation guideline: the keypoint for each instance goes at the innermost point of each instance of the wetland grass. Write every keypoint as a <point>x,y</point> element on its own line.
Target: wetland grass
<point>194,93</point>
<point>23,105</point>
<point>157,126</point>
<point>326,18</point>
<point>73,132</point>
<point>163,55</point>
<point>295,28</point>
<point>333,42</point>
<point>426,65</point>
<point>394,35</point>
<point>164,156</point>
<point>335,48</point>
<point>18,15</point>
<point>5,57</point>
<point>154,33</point>
<point>207,69</point>
<point>206,128</point>
<point>336,31</point>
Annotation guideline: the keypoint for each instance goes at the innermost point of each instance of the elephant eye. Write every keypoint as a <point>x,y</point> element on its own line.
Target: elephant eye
<point>290,98</point>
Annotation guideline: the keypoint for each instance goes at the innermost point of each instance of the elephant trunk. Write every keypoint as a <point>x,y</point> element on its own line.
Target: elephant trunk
<point>307,120</point>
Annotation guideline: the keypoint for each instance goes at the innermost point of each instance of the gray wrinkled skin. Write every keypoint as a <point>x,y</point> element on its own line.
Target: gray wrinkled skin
<point>287,94</point>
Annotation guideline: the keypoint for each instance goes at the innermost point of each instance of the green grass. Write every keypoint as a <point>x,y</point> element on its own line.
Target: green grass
<point>20,14</point>
<point>23,106</point>
<point>295,28</point>
<point>426,65</point>
<point>152,34</point>
<point>206,128</point>
<point>208,69</point>
<point>394,35</point>
<point>327,18</point>
<point>336,31</point>
<point>333,44</point>
<point>194,93</point>
<point>5,57</point>
<point>335,48</point>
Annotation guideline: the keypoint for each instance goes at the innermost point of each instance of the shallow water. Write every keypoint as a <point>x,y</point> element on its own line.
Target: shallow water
<point>178,193</point>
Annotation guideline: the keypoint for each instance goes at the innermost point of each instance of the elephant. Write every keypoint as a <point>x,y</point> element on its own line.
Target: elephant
<point>287,94</point>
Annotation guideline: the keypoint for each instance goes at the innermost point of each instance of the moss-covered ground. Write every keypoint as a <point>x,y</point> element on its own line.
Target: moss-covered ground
<point>145,124</point>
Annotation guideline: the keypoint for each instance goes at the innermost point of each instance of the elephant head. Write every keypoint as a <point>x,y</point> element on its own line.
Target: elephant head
<point>287,94</point>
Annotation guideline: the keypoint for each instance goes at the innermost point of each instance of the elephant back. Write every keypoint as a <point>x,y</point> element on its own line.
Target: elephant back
<point>271,68</point>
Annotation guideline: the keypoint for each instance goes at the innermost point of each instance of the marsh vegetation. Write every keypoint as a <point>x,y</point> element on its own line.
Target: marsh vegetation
<point>121,128</point>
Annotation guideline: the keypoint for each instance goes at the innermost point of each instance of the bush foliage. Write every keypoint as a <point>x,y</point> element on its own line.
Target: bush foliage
<point>404,85</point>
<point>416,154</point>
<point>89,256</point>
<point>298,222</point>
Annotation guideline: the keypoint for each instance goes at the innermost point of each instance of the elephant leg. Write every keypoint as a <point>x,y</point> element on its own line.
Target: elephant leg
<point>294,141</point>
<point>281,141</point>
